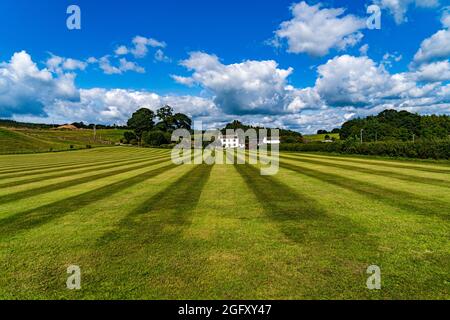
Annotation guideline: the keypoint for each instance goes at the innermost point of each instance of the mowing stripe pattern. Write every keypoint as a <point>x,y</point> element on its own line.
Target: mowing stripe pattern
<point>141,227</point>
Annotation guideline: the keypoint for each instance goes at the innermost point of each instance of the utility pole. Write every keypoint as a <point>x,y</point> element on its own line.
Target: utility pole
<point>362,130</point>
<point>95,133</point>
<point>414,138</point>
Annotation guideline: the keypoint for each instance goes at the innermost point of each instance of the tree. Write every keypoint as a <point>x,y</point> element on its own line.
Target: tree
<point>322,131</point>
<point>129,136</point>
<point>336,130</point>
<point>141,121</point>
<point>182,121</point>
<point>155,138</point>
<point>165,114</point>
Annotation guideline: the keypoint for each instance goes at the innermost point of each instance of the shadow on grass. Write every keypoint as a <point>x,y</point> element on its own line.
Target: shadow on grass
<point>387,164</point>
<point>66,184</point>
<point>76,171</point>
<point>400,199</point>
<point>171,210</point>
<point>29,219</point>
<point>396,175</point>
<point>298,216</point>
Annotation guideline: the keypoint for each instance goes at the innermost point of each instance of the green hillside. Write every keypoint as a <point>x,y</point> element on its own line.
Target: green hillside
<point>28,140</point>
<point>320,137</point>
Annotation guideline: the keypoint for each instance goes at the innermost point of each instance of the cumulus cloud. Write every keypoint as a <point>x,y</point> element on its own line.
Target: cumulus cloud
<point>436,47</point>
<point>187,81</point>
<point>161,56</point>
<point>390,58</point>
<point>366,87</point>
<point>436,71</point>
<point>256,92</point>
<point>364,49</point>
<point>315,30</point>
<point>348,80</point>
<point>59,64</point>
<point>121,50</point>
<point>249,87</point>
<point>399,8</point>
<point>117,105</point>
<point>26,89</point>
<point>140,47</point>
<point>123,66</point>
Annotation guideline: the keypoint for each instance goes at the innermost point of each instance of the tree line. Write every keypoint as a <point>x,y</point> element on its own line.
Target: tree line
<point>392,125</point>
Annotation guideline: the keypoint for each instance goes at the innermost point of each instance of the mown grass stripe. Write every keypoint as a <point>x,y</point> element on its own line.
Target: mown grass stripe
<point>389,174</point>
<point>435,168</point>
<point>26,220</point>
<point>73,172</point>
<point>396,198</point>
<point>21,173</point>
<point>173,205</point>
<point>28,168</point>
<point>65,184</point>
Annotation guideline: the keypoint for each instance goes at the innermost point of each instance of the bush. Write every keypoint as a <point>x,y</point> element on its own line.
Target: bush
<point>129,136</point>
<point>156,138</point>
<point>423,149</point>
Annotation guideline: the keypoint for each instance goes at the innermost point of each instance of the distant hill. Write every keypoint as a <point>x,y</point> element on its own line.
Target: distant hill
<point>22,139</point>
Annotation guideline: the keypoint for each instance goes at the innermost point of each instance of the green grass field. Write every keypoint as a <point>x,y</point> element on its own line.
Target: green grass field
<point>321,137</point>
<point>24,140</point>
<point>142,228</point>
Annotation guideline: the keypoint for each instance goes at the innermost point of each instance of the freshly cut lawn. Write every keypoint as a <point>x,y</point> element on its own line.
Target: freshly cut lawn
<point>142,228</point>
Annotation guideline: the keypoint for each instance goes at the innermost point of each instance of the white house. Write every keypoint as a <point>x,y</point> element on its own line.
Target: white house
<point>271,141</point>
<point>231,142</point>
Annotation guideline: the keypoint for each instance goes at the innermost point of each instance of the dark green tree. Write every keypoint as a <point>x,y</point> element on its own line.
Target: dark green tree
<point>141,121</point>
<point>156,138</point>
<point>165,114</point>
<point>182,121</point>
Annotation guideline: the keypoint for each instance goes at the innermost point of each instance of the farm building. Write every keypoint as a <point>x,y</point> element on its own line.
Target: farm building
<point>231,142</point>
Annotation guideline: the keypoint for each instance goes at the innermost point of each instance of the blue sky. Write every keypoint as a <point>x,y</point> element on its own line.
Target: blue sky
<point>300,65</point>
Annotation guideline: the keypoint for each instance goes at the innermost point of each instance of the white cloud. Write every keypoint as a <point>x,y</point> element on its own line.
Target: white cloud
<point>25,89</point>
<point>249,87</point>
<point>117,105</point>
<point>436,71</point>
<point>361,83</point>
<point>141,45</point>
<point>316,31</point>
<point>436,47</point>
<point>364,49</point>
<point>187,81</point>
<point>121,50</point>
<point>59,64</point>
<point>348,80</point>
<point>160,56</point>
<point>255,92</point>
<point>124,66</point>
<point>390,58</point>
<point>399,8</point>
